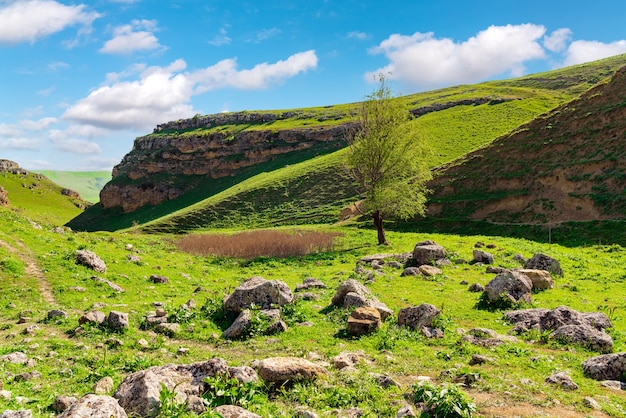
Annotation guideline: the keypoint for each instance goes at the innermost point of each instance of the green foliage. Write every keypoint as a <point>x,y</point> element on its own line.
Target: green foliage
<point>12,266</point>
<point>170,407</point>
<point>444,401</point>
<point>224,390</point>
<point>388,158</point>
<point>293,313</point>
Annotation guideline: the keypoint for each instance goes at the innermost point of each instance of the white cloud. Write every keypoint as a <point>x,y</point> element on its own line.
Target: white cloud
<point>585,51</point>
<point>19,143</point>
<point>138,36</point>
<point>425,61</point>
<point>37,125</point>
<point>361,36</point>
<point>28,21</point>
<point>225,73</point>
<point>164,93</point>
<point>76,146</point>
<point>266,34</point>
<point>221,39</point>
<point>557,41</point>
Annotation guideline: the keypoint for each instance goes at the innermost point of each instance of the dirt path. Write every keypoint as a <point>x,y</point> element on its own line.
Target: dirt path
<point>32,269</point>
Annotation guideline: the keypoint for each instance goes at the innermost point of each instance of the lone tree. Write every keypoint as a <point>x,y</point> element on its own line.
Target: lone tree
<point>388,159</point>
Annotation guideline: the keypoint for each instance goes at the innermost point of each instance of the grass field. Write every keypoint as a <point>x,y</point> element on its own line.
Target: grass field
<point>87,183</point>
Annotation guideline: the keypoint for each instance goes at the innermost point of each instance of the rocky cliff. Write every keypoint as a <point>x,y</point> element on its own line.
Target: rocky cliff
<point>159,165</point>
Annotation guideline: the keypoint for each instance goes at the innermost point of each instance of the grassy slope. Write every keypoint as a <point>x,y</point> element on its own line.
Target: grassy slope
<point>513,380</point>
<point>87,183</point>
<point>39,199</point>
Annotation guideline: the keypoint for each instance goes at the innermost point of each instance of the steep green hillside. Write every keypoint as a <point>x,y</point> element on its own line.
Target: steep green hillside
<point>38,199</point>
<point>454,120</point>
<point>87,183</point>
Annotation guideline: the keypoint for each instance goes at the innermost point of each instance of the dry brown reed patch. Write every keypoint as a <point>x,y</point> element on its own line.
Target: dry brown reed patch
<point>263,243</point>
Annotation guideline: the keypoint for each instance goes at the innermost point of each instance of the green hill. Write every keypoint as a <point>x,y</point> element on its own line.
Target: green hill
<point>87,183</point>
<point>454,120</point>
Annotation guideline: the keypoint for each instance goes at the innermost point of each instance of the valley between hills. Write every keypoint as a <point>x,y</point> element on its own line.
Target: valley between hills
<point>224,270</point>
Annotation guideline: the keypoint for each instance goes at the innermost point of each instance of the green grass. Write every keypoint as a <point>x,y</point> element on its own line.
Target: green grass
<point>87,183</point>
<point>594,281</point>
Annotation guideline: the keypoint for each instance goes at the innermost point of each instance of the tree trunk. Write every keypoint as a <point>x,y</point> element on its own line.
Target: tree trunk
<point>378,221</point>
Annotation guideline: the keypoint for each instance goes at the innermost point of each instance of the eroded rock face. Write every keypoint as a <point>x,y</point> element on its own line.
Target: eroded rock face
<point>260,292</point>
<point>95,406</point>
<point>138,181</point>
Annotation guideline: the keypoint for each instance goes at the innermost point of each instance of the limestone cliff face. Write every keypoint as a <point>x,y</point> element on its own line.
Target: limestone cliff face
<point>145,175</point>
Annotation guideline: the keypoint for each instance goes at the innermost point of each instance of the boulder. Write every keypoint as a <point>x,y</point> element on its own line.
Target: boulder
<point>352,293</point>
<point>476,288</point>
<point>563,380</point>
<point>541,279</point>
<point>241,325</point>
<point>62,403</point>
<point>606,367</point>
<point>283,369</point>
<point>543,262</point>
<point>103,386</point>
<point>584,335</point>
<point>427,270</point>
<point>510,285</point>
<point>481,256</point>
<point>550,320</point>
<point>4,197</point>
<point>16,357</point>
<point>56,313</point>
<point>363,320</point>
<point>233,411</point>
<point>427,252</point>
<point>411,271</point>
<point>155,278</point>
<point>95,406</point>
<point>259,292</point>
<point>117,320</point>
<point>310,283</point>
<point>416,317</point>
<point>93,318</point>
<point>139,392</point>
<point>91,260</point>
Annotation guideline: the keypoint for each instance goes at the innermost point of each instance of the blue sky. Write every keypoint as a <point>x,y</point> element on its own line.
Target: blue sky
<point>80,80</point>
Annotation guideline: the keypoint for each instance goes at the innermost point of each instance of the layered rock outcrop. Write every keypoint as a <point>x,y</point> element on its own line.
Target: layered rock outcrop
<point>147,174</point>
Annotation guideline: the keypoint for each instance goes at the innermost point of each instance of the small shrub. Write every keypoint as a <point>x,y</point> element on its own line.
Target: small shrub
<point>445,401</point>
<point>224,390</point>
<point>170,407</point>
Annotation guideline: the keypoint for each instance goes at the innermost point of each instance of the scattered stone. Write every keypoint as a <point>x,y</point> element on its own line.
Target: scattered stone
<point>189,305</point>
<point>363,320</point>
<point>394,264</point>
<point>406,411</point>
<point>614,384</point>
<point>117,320</point>
<point>543,262</point>
<point>352,293</point>
<point>241,325</point>
<point>416,317</point>
<point>411,271</point>
<point>427,252</point>
<point>476,287</point>
<point>169,329</point>
<point>143,344</point>
<point>155,278</point>
<point>478,359</point>
<point>139,392</point>
<point>25,377</point>
<point>584,335</point>
<point>232,411</point>
<point>260,292</point>
<point>24,413</point>
<point>17,357</point>
<point>495,270</point>
<point>79,289</point>
<point>103,386</point>
<point>541,279</point>
<point>348,359</point>
<point>427,270</point>
<point>132,258</point>
<point>307,296</point>
<point>589,402</point>
<point>303,412</point>
<point>108,283</point>
<point>56,313</point>
<point>91,260</point>
<point>429,332</point>
<point>519,258</point>
<point>488,338</point>
<point>95,406</point>
<point>481,256</point>
<point>61,403</point>
<point>563,380</point>
<point>510,285</point>
<point>128,247</point>
<point>283,369</point>
<point>605,367</point>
